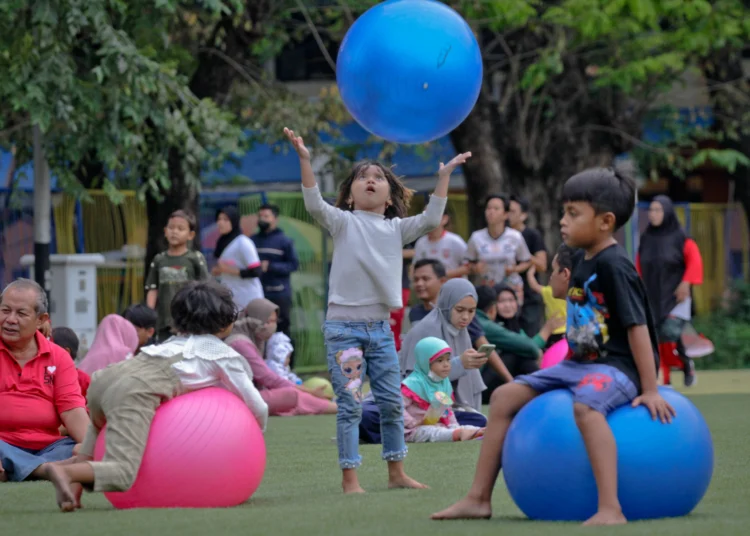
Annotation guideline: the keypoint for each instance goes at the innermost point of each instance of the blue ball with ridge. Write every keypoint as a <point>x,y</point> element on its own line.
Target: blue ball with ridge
<point>409,71</point>
<point>663,470</point>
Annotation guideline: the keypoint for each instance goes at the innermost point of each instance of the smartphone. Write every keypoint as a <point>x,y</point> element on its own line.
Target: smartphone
<point>486,349</point>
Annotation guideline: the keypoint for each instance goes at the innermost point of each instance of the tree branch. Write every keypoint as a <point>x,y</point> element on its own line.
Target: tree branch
<point>347,11</point>
<point>632,139</point>
<point>237,67</point>
<point>14,128</point>
<point>514,83</point>
<point>316,35</point>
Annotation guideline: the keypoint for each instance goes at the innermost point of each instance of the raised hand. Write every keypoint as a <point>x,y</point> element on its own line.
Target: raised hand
<point>454,163</point>
<point>298,144</point>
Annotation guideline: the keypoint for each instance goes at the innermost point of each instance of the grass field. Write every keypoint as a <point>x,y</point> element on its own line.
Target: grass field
<point>300,493</point>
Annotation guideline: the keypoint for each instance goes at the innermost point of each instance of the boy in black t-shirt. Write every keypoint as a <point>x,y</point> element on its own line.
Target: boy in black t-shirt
<point>613,347</point>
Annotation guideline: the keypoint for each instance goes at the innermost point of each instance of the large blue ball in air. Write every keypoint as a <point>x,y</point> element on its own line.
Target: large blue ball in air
<point>409,71</point>
<point>663,470</point>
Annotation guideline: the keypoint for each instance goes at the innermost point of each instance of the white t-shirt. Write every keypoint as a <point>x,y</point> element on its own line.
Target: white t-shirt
<point>508,249</point>
<point>368,251</point>
<point>450,249</point>
<point>241,253</point>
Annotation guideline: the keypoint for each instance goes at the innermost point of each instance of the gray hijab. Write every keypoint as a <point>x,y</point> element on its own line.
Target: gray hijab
<point>437,324</point>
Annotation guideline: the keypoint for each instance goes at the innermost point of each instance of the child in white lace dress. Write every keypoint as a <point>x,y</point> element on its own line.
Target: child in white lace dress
<point>428,397</point>
<point>278,354</point>
<point>126,395</point>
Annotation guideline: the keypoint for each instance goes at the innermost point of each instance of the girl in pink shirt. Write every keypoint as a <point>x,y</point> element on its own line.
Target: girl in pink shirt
<point>255,325</point>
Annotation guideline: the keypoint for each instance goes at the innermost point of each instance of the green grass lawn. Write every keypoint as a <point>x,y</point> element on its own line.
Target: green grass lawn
<point>300,493</point>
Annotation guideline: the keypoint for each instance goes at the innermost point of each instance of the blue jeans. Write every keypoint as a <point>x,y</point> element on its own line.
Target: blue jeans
<point>355,349</point>
<point>19,463</point>
<point>601,387</point>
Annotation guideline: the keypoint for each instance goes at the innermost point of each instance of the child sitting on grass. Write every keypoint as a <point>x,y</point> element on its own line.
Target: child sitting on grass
<point>67,339</point>
<point>613,355</point>
<point>278,356</point>
<point>126,395</point>
<point>553,307</point>
<point>428,397</point>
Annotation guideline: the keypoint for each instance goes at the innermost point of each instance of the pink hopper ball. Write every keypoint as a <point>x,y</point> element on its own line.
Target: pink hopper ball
<point>205,450</point>
<point>555,354</point>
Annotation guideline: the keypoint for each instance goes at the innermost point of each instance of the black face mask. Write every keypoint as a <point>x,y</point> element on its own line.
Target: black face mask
<point>263,225</point>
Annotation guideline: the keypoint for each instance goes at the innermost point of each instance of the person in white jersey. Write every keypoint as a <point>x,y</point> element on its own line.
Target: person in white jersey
<point>444,246</point>
<point>369,229</point>
<point>238,267</point>
<point>498,253</point>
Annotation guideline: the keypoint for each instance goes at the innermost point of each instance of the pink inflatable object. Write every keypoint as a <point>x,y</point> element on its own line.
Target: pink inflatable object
<point>555,354</point>
<point>205,450</point>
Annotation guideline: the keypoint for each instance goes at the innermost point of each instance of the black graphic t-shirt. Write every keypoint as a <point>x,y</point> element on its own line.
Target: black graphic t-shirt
<point>605,298</point>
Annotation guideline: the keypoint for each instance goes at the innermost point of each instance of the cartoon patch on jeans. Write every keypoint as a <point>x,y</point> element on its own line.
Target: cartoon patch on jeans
<point>351,361</point>
<point>587,327</point>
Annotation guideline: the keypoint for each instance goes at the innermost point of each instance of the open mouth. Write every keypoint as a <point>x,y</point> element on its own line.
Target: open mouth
<point>370,189</point>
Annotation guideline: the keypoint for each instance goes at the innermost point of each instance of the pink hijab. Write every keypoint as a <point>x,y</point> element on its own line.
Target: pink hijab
<point>116,339</point>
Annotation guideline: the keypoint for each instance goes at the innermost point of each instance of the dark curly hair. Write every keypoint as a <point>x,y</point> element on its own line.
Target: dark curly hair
<point>203,308</point>
<point>400,194</point>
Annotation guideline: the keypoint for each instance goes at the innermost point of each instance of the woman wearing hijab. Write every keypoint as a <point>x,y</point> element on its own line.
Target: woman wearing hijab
<point>499,315</point>
<point>669,263</point>
<point>116,340</point>
<point>255,325</point>
<point>238,267</point>
<point>455,309</point>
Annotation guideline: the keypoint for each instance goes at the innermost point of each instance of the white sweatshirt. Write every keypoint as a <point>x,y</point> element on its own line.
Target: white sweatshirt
<point>368,251</point>
<point>208,362</point>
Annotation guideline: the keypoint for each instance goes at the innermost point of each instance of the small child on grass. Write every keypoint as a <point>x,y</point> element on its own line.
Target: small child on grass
<point>428,397</point>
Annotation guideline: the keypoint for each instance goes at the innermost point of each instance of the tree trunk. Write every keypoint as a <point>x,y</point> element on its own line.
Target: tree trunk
<point>213,78</point>
<point>484,172</point>
<point>221,59</point>
<point>722,72</point>
<point>545,209</point>
<point>181,196</point>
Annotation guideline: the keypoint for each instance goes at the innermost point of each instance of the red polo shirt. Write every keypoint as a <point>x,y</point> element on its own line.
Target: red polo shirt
<point>32,398</point>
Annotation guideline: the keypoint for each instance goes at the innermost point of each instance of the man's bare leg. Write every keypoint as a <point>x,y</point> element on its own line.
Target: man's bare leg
<point>506,401</point>
<point>602,451</point>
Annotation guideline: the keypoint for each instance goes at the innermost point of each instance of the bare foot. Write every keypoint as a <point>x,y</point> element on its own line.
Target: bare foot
<point>405,482</point>
<point>352,488</point>
<point>66,499</point>
<point>77,492</point>
<point>606,517</point>
<point>3,476</point>
<point>466,508</point>
<point>350,482</point>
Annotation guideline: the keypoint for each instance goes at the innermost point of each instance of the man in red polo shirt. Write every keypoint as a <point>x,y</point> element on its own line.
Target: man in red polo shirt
<point>39,388</point>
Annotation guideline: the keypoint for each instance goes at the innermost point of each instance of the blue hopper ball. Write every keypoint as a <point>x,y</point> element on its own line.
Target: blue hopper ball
<point>663,469</point>
<point>409,71</point>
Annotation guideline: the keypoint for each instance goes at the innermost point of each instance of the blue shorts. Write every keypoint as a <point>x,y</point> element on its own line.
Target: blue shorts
<point>19,463</point>
<point>600,387</point>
